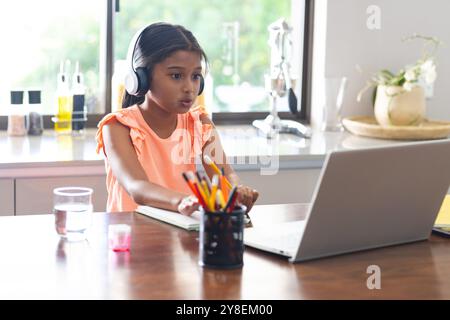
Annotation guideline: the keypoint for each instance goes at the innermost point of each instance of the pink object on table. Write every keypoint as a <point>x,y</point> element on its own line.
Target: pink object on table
<point>119,237</point>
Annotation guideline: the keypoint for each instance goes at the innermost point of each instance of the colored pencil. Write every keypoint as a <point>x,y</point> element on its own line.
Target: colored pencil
<point>191,186</point>
<point>211,163</point>
<point>201,198</point>
<point>214,185</point>
<point>224,187</point>
<point>221,199</point>
<point>233,203</point>
<point>230,198</point>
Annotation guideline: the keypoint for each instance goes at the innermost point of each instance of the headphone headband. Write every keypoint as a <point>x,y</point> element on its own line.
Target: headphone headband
<point>136,83</point>
<point>132,47</point>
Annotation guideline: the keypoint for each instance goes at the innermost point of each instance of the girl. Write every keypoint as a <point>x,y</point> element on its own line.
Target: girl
<point>157,135</point>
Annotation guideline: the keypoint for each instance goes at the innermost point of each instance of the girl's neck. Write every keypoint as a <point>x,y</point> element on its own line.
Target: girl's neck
<point>163,123</point>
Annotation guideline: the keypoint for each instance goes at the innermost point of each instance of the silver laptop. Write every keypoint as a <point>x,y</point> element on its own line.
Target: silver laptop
<point>365,199</point>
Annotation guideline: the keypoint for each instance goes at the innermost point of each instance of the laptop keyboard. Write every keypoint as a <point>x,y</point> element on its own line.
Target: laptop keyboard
<point>280,238</point>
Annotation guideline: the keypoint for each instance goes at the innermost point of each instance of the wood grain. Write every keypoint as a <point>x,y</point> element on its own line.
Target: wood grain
<point>162,264</point>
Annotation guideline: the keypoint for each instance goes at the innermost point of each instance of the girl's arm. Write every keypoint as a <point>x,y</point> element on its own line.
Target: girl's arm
<point>213,148</point>
<point>130,174</point>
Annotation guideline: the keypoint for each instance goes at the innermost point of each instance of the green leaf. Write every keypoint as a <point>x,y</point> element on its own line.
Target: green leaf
<point>387,74</point>
<point>374,96</point>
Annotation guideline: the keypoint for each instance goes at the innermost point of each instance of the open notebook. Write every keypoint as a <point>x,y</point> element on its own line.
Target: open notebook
<point>191,223</point>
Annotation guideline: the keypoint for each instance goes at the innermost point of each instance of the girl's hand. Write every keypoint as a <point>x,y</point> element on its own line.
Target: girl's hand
<point>246,196</point>
<point>188,205</point>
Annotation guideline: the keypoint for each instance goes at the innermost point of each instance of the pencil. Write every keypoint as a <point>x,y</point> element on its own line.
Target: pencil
<point>233,203</point>
<point>206,178</point>
<point>215,182</point>
<point>200,178</point>
<point>191,186</point>
<point>231,199</point>
<point>211,163</point>
<point>221,199</point>
<point>224,187</point>
<point>201,199</point>
<point>198,187</point>
<point>205,188</point>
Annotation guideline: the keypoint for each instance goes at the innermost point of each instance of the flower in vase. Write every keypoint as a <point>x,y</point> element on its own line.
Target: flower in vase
<point>423,70</point>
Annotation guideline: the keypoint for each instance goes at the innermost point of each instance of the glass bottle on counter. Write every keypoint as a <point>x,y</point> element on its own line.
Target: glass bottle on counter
<point>79,114</point>
<point>16,117</point>
<point>34,120</point>
<point>63,120</point>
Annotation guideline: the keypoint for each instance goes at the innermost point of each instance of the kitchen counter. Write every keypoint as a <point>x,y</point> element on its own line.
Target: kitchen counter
<point>283,170</point>
<point>21,156</point>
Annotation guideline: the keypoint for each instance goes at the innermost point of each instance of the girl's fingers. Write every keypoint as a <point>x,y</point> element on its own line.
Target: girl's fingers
<point>188,205</point>
<point>195,206</point>
<point>251,198</point>
<point>245,197</point>
<point>255,195</point>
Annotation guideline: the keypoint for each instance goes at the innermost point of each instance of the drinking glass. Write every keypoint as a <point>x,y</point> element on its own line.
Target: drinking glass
<point>334,95</point>
<point>72,207</point>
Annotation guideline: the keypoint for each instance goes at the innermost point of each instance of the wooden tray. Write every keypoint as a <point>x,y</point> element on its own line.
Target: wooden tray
<point>368,127</point>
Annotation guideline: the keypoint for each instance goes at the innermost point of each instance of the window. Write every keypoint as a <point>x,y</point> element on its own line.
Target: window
<point>37,36</point>
<point>233,34</point>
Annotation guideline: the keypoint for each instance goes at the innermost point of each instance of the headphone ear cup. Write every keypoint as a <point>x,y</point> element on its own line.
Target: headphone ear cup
<point>143,81</point>
<point>202,85</point>
<point>131,83</point>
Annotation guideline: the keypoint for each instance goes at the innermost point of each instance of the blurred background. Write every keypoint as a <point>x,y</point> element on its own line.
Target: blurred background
<point>38,35</point>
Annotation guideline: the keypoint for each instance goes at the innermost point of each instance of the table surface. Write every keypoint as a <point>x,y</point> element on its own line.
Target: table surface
<point>163,264</point>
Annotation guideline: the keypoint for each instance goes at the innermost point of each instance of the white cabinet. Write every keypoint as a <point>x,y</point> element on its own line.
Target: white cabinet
<point>6,197</point>
<point>287,186</point>
<point>35,195</point>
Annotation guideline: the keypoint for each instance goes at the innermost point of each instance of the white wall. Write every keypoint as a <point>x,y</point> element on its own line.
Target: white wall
<point>343,41</point>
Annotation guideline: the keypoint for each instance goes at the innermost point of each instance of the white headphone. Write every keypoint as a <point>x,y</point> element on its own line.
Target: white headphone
<point>136,80</point>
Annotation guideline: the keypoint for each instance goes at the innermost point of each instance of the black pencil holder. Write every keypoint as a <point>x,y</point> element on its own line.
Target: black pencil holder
<point>221,243</point>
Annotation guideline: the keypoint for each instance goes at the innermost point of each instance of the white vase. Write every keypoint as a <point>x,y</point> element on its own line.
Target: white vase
<point>394,106</point>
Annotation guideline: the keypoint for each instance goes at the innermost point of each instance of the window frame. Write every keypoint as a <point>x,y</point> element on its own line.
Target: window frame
<point>106,63</point>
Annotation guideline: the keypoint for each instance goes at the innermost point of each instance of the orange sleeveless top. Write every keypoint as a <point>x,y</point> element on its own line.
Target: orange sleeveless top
<point>163,160</point>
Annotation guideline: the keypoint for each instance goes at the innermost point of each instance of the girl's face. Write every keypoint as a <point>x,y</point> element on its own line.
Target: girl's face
<point>176,81</point>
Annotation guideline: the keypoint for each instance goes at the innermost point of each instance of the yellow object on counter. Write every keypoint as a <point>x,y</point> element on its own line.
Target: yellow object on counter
<point>443,218</point>
<point>64,115</point>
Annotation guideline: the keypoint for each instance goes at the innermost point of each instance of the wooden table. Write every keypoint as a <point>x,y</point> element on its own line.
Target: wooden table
<point>162,264</point>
